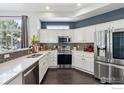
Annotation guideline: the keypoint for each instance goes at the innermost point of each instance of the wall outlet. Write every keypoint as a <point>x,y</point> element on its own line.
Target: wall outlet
<point>6,56</point>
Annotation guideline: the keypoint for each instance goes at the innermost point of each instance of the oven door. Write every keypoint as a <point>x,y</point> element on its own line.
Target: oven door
<point>117,46</point>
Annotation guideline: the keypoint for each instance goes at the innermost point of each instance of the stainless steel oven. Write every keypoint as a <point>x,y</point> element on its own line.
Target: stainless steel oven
<point>117,46</point>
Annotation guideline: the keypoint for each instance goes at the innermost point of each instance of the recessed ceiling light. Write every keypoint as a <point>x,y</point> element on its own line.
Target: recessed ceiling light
<point>78,4</point>
<point>47,8</point>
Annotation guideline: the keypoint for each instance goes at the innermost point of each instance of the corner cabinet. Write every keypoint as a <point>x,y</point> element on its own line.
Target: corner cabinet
<point>83,61</point>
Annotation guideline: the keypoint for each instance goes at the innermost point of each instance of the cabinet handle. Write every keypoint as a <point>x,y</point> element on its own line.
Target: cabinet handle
<point>28,72</point>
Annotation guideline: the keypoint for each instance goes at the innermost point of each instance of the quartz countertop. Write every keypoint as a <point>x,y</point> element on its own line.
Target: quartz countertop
<point>12,68</point>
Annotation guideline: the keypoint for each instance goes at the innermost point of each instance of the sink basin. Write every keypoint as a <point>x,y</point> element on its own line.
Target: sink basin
<point>34,55</point>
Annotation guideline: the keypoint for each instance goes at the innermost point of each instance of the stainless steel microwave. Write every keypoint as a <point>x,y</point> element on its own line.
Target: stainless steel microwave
<point>64,39</point>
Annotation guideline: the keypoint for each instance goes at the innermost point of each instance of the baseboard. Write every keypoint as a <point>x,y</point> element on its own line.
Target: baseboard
<point>75,68</point>
<point>83,70</point>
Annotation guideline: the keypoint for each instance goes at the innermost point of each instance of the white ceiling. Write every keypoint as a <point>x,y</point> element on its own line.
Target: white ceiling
<point>40,7</point>
<point>61,11</point>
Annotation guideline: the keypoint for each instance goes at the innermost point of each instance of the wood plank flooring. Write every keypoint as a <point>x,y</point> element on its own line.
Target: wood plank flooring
<point>68,76</point>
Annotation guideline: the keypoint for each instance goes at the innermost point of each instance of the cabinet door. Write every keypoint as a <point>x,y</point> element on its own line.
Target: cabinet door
<point>41,72</point>
<point>89,64</point>
<point>42,68</point>
<point>118,24</point>
<point>78,35</point>
<point>53,59</point>
<point>89,34</point>
<point>77,60</point>
<point>103,26</point>
<point>52,36</point>
<point>43,36</point>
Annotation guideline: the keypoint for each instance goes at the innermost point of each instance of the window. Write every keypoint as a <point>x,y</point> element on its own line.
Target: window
<point>10,33</point>
<point>57,27</point>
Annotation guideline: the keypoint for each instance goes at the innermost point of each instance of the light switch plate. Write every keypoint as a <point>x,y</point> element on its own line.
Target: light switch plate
<point>6,56</point>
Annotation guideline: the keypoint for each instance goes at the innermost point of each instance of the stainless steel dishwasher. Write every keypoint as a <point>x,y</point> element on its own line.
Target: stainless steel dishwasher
<point>31,75</point>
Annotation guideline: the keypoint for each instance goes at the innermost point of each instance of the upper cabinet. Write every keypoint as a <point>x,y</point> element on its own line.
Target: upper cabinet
<point>103,26</point>
<point>117,24</point>
<point>51,36</point>
<point>84,35</point>
<point>48,36</point>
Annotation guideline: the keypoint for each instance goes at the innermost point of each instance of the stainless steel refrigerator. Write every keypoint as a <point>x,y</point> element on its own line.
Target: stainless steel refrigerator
<point>109,55</point>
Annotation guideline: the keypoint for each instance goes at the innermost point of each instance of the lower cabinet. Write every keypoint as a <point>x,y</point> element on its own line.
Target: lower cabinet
<point>83,61</point>
<point>43,66</point>
<point>53,59</point>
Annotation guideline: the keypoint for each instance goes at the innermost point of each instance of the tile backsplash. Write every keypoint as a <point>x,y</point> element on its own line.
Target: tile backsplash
<point>13,55</point>
<point>53,46</point>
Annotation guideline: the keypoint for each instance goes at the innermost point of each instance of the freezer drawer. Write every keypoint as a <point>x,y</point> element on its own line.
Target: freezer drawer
<point>97,70</point>
<point>104,73</point>
<point>117,75</point>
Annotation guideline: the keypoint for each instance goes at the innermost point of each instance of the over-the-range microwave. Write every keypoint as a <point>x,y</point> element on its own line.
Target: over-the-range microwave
<point>64,39</point>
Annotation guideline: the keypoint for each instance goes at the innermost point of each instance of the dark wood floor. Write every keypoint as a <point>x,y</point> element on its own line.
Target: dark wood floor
<point>68,76</point>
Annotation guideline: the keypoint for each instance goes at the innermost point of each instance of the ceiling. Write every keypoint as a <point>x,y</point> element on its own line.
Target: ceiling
<point>41,7</point>
<point>61,11</point>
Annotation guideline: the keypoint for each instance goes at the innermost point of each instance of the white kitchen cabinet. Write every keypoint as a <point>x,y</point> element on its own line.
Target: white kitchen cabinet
<point>77,59</point>
<point>84,35</point>
<point>43,36</point>
<point>78,35</point>
<point>53,59</point>
<point>88,64</point>
<point>16,80</point>
<point>117,24</point>
<point>51,36</point>
<point>43,66</point>
<point>103,26</point>
<point>48,36</point>
<point>89,34</point>
<point>83,61</point>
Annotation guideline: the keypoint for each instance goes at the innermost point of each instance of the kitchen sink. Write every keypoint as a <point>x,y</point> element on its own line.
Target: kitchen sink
<point>34,55</point>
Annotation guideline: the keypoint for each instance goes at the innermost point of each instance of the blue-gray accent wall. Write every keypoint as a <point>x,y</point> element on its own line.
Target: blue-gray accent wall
<point>106,17</point>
